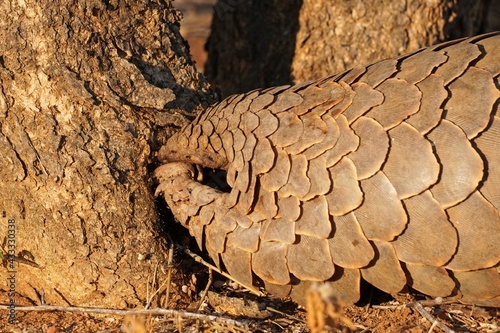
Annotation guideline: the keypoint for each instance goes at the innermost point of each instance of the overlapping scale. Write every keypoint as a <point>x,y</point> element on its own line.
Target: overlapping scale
<point>347,142</point>
<point>471,102</point>
<point>401,100</point>
<point>411,166</point>
<point>462,55</point>
<point>489,59</point>
<point>381,216</point>
<point>379,72</point>
<point>473,287</point>
<point>318,175</point>
<point>275,253</point>
<point>461,165</point>
<point>434,94</point>
<point>419,246</point>
<point>345,194</point>
<point>314,220</point>
<point>279,174</point>
<point>349,247</point>
<point>238,263</point>
<point>478,225</point>
<point>385,272</point>
<point>431,280</point>
<point>420,65</point>
<point>373,147</point>
<point>366,98</point>
<point>489,146</point>
<point>280,230</point>
<point>313,251</point>
<point>298,183</point>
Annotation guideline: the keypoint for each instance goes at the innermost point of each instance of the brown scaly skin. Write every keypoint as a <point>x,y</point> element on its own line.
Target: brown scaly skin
<point>390,173</point>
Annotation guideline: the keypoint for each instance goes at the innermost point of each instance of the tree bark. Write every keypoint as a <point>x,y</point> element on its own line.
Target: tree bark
<point>89,91</point>
<point>254,46</point>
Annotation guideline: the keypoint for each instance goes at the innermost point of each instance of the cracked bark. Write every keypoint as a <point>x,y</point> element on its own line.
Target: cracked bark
<point>89,91</point>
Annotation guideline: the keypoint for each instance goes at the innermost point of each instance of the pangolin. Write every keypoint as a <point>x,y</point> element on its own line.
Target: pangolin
<point>388,173</point>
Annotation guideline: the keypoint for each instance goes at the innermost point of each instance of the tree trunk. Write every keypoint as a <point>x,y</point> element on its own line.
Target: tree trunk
<point>254,45</point>
<point>89,90</point>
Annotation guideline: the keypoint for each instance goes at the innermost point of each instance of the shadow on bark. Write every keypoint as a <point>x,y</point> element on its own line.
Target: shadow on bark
<point>252,44</point>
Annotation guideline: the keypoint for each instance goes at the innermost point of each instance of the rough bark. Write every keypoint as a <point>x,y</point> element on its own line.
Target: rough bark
<point>88,91</point>
<point>310,39</point>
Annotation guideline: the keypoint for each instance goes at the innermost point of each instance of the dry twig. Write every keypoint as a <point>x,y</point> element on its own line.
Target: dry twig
<point>200,260</point>
<point>418,306</point>
<point>148,298</point>
<point>294,318</point>
<point>170,266</point>
<point>205,291</point>
<point>120,312</point>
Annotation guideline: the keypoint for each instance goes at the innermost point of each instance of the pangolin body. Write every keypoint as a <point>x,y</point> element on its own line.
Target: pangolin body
<point>388,173</point>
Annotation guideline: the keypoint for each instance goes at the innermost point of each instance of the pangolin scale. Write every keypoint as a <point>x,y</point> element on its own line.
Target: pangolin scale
<point>388,173</point>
